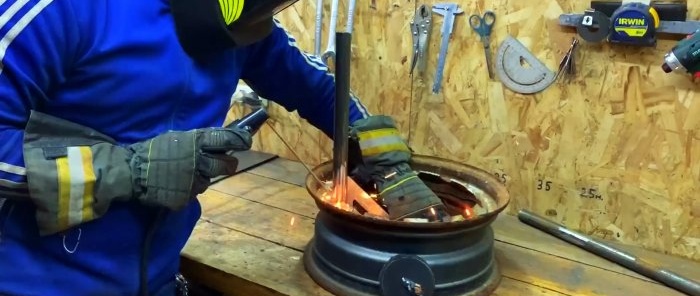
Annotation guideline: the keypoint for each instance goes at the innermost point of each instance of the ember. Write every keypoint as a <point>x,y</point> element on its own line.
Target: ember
<point>360,202</point>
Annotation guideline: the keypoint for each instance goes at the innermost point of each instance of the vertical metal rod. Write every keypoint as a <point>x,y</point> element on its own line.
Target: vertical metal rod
<point>342,114</point>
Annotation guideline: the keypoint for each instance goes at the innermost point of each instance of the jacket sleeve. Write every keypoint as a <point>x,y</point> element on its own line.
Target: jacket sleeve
<point>278,70</point>
<point>36,40</point>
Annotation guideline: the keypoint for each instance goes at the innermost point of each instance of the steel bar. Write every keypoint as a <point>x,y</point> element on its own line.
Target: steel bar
<point>615,255</point>
<point>342,115</point>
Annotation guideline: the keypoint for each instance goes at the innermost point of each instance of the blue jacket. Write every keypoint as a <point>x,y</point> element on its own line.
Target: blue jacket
<point>117,66</point>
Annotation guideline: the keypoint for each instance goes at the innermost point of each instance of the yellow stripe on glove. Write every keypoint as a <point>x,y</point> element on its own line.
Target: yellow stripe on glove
<point>76,180</point>
<point>379,141</point>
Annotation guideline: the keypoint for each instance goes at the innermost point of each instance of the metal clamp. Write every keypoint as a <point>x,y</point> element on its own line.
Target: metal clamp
<point>420,31</point>
<point>412,287</point>
<point>406,273</point>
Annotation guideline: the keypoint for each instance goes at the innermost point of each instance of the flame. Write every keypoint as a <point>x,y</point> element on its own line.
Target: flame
<point>325,196</point>
<point>468,212</point>
<point>365,195</point>
<point>432,211</point>
<point>291,222</point>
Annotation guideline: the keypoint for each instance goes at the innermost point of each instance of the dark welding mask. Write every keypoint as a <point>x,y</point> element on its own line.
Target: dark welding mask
<point>208,26</point>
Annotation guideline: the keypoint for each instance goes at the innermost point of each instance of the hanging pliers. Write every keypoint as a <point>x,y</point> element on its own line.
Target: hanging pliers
<point>420,30</point>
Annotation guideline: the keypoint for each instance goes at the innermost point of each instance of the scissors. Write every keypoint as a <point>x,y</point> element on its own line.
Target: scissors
<point>482,25</point>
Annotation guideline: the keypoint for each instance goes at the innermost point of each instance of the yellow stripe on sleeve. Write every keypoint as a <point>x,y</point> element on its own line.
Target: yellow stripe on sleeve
<point>64,185</point>
<point>89,179</point>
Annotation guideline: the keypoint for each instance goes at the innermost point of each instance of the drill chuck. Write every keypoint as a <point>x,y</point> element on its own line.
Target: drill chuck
<point>685,56</point>
<point>671,63</point>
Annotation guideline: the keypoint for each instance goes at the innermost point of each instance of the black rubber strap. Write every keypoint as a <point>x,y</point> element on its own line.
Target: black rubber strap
<point>667,11</point>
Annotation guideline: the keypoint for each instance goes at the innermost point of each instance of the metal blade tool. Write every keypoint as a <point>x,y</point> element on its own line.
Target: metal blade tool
<point>482,25</point>
<point>448,11</point>
<point>421,26</point>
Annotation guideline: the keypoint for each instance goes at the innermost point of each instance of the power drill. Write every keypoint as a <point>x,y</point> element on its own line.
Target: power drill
<point>684,56</point>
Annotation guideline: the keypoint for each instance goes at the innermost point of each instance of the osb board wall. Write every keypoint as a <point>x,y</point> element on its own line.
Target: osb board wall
<point>621,130</point>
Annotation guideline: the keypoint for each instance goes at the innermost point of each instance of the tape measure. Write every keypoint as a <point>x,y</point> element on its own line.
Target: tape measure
<point>634,23</point>
<point>519,70</point>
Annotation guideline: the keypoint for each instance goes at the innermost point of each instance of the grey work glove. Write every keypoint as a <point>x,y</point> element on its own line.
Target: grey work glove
<point>384,161</point>
<point>74,173</point>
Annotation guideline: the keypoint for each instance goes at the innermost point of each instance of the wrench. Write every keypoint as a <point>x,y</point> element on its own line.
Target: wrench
<point>330,52</point>
<point>448,11</point>
<point>330,47</point>
<point>319,27</point>
<point>351,16</point>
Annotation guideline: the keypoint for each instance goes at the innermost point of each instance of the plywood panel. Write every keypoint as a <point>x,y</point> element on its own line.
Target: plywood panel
<point>614,153</point>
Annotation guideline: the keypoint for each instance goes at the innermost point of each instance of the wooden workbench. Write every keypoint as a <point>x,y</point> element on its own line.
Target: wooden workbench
<point>255,225</point>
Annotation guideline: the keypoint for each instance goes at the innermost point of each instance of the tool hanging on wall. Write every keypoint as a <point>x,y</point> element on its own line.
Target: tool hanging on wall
<point>330,46</point>
<point>519,70</point>
<point>685,56</point>
<point>567,68</point>
<point>319,27</point>
<point>594,26</point>
<point>420,31</point>
<point>483,25</point>
<point>329,54</point>
<point>448,12</point>
<point>634,22</point>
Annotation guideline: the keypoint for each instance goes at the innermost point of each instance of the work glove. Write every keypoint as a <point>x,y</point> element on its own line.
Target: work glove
<point>384,163</point>
<point>74,172</point>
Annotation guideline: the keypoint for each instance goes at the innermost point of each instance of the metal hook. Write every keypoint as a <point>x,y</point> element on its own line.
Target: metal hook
<point>80,232</point>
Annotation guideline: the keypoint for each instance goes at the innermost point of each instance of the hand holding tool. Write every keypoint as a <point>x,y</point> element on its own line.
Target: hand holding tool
<point>685,56</point>
<point>483,25</point>
<point>167,170</point>
<point>448,11</point>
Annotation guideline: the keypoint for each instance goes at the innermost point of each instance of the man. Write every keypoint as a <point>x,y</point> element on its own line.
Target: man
<point>110,120</point>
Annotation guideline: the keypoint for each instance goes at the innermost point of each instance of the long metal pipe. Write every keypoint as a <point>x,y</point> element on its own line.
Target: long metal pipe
<point>606,251</point>
<point>342,115</point>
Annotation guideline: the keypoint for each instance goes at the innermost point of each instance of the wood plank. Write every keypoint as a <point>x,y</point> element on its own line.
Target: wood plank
<point>571,277</point>
<point>507,228</point>
<point>283,169</point>
<point>510,230</point>
<point>268,191</point>
<point>238,264</point>
<point>540,269</point>
<point>235,263</point>
<point>512,287</point>
<point>273,224</point>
